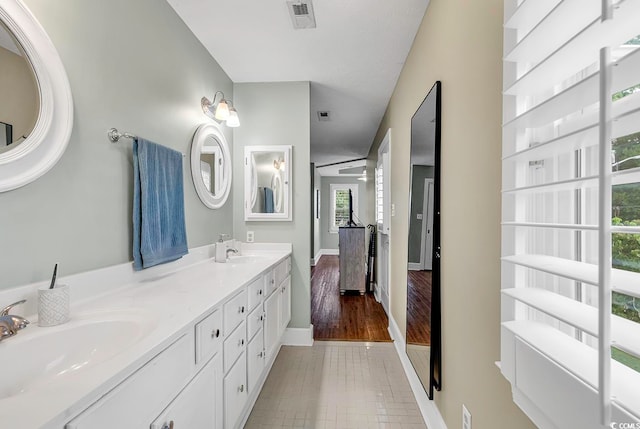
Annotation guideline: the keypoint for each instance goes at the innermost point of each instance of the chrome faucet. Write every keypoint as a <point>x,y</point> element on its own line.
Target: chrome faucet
<point>231,250</point>
<point>11,324</point>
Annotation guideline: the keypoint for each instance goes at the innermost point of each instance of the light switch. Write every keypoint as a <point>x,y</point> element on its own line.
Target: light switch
<point>393,209</point>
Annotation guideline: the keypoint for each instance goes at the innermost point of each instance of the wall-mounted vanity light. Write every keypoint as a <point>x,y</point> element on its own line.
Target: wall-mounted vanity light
<point>278,164</point>
<point>222,111</point>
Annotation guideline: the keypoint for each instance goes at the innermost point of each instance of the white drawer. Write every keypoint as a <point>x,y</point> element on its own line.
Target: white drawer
<point>234,345</point>
<point>254,322</point>
<point>281,271</point>
<point>255,292</point>
<point>235,310</point>
<point>136,401</point>
<point>209,336</point>
<point>235,392</point>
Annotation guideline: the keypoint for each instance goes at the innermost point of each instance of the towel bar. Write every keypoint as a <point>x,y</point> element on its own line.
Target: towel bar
<point>115,136</point>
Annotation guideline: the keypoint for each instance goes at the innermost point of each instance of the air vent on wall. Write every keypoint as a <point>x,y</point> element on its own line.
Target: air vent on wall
<point>301,13</point>
<point>324,115</point>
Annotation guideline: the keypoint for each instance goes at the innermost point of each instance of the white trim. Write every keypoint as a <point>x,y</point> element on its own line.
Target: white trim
<point>414,266</point>
<point>298,336</point>
<point>323,252</point>
<point>46,143</point>
<point>428,408</point>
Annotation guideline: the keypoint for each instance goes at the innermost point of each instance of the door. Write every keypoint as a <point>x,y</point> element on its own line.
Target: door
<point>426,252</point>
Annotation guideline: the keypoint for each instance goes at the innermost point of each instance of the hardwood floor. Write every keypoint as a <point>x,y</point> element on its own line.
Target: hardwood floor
<point>347,317</point>
<point>418,307</point>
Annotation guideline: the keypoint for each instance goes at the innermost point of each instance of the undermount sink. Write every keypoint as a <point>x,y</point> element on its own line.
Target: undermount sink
<point>245,259</point>
<point>39,355</point>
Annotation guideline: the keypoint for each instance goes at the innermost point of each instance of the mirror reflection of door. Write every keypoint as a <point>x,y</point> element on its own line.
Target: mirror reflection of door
<point>267,177</point>
<point>19,92</point>
<point>423,265</point>
<point>211,165</point>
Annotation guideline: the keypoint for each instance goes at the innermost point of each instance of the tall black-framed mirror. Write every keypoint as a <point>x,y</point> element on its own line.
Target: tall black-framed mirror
<point>423,265</point>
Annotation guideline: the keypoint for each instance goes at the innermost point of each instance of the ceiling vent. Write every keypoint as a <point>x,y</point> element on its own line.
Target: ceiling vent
<point>301,14</point>
<point>324,115</point>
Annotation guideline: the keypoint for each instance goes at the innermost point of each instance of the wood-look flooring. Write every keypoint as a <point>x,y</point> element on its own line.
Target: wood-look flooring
<point>343,317</point>
<point>418,307</point>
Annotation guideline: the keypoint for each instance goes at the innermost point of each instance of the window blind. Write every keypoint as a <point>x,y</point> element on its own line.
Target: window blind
<point>571,210</point>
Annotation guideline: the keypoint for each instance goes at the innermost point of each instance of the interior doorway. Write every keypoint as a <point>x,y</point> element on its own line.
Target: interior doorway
<point>426,247</point>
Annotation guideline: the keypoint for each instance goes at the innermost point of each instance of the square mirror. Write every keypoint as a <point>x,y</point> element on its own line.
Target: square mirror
<point>267,183</point>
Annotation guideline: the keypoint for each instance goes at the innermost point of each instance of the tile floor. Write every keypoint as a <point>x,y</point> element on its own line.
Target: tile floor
<point>337,385</point>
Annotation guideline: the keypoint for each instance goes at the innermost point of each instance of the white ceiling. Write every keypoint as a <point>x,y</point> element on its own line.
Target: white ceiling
<point>352,58</point>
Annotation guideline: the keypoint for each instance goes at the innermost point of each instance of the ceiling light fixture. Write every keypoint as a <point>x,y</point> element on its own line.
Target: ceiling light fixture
<point>223,111</point>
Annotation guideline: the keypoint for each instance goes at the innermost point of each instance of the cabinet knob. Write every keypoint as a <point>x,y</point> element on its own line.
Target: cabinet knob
<point>272,281</point>
<point>259,291</point>
<point>241,388</point>
<point>168,425</point>
<point>215,333</point>
<point>260,354</point>
<point>241,309</point>
<point>241,342</point>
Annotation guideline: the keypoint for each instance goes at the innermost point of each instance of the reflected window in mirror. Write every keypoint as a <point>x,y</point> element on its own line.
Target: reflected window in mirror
<point>267,182</point>
<point>423,244</point>
<point>340,205</point>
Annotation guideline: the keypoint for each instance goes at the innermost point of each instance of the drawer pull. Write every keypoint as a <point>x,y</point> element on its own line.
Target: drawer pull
<point>259,291</point>
<point>241,388</point>
<point>260,355</point>
<point>215,333</point>
<point>261,317</point>
<point>272,281</point>
<point>241,342</point>
<point>241,309</point>
<point>168,425</point>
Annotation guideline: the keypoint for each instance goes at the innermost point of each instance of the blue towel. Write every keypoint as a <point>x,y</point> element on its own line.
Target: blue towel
<point>268,200</point>
<point>159,232</point>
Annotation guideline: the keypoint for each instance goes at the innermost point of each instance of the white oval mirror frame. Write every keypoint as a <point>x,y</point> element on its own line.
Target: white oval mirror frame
<point>208,198</point>
<point>40,151</point>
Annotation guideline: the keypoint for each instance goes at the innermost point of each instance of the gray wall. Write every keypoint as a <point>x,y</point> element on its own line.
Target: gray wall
<point>278,114</point>
<point>419,173</point>
<point>329,240</point>
<point>133,65</point>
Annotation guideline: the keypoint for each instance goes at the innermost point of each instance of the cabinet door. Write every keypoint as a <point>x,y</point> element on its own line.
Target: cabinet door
<point>235,392</point>
<point>196,406</point>
<point>285,304</point>
<point>272,323</point>
<point>138,400</point>
<point>255,361</point>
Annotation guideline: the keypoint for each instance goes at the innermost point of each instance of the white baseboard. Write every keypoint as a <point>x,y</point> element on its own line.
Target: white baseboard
<point>414,266</point>
<point>298,336</point>
<point>428,408</point>
<point>322,252</point>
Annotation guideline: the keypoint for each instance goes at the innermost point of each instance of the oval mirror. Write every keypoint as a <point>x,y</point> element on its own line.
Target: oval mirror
<point>211,165</point>
<point>36,113</point>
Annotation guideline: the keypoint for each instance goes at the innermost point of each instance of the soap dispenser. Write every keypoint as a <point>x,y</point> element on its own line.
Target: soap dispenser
<point>221,249</point>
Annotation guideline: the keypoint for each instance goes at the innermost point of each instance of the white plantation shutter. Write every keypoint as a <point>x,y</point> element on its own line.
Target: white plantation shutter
<point>564,61</point>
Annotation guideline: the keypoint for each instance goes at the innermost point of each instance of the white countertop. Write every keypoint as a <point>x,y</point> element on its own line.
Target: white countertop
<point>164,305</point>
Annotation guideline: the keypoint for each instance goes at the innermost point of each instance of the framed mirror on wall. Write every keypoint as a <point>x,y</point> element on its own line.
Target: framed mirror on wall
<point>267,182</point>
<point>211,165</point>
<point>423,265</point>
<point>36,112</point>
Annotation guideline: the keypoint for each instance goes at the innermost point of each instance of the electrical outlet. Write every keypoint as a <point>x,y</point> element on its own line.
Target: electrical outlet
<point>250,236</point>
<point>466,418</point>
<point>393,209</point>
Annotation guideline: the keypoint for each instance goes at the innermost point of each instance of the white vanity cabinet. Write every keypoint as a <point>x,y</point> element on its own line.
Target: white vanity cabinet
<point>138,400</point>
<point>210,376</point>
<point>198,405</point>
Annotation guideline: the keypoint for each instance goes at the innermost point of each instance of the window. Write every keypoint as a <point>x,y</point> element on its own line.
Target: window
<point>571,254</point>
<point>340,205</point>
